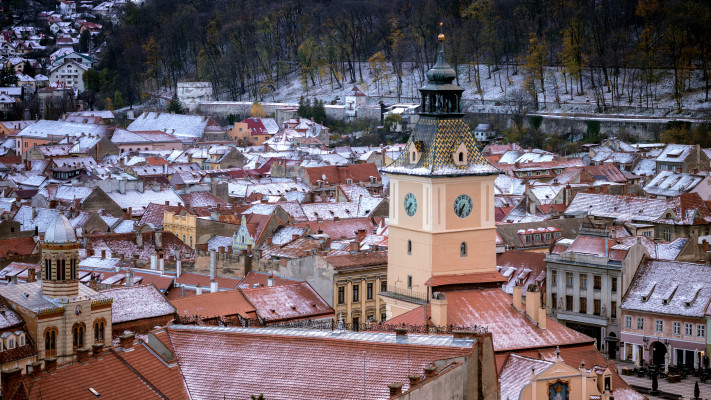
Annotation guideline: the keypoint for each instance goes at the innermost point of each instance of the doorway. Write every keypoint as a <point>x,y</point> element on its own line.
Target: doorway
<point>659,350</point>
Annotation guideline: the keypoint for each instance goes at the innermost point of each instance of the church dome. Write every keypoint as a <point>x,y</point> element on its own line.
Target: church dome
<point>60,231</point>
<point>441,72</point>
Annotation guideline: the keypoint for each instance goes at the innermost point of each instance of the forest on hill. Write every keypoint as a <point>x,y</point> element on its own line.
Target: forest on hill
<point>249,49</point>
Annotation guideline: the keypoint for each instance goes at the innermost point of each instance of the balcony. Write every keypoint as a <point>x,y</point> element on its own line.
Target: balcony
<point>407,295</point>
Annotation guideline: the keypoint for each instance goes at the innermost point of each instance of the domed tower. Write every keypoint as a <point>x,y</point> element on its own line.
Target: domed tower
<point>59,259</point>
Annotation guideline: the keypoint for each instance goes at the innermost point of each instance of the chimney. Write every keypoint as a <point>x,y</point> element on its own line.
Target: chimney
<point>161,265</point>
<point>139,238</point>
<point>533,303</point>
<point>414,380</point>
<point>400,334</point>
<point>395,389</point>
<point>83,355</point>
<point>154,261</point>
<point>50,364</point>
<point>270,280</point>
<point>438,306</point>
<point>31,275</point>
<point>122,186</point>
<point>542,317</point>
<point>103,254</point>
<point>517,303</point>
<point>178,268</point>
<point>198,290</point>
<point>213,286</point>
<point>430,371</point>
<point>36,369</point>
<point>10,379</point>
<point>353,246</point>
<point>158,236</point>
<point>126,341</point>
<point>213,265</point>
<point>97,350</point>
<point>129,277</point>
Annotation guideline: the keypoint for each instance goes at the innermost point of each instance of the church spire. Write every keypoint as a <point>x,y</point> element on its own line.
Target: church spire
<point>440,97</point>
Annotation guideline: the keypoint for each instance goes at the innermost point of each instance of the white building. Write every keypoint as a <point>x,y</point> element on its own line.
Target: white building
<point>69,74</point>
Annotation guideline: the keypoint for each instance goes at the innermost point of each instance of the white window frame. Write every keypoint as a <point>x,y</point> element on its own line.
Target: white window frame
<point>659,326</point>
<point>677,328</point>
<point>640,323</point>
<point>628,321</point>
<point>688,329</point>
<point>700,330</point>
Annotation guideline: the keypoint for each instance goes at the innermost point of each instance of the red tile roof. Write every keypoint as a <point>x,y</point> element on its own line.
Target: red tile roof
<point>359,259</point>
<point>261,279</point>
<point>341,229</point>
<point>461,279</point>
<point>296,365</point>
<point>337,174</point>
<point>493,309</point>
<point>108,376</point>
<point>295,301</point>
<point>193,279</point>
<point>215,305</point>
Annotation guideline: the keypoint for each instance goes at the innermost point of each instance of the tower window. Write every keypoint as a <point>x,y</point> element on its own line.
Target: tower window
<point>78,336</point>
<point>409,281</point>
<point>463,249</point>
<point>409,246</point>
<point>99,331</point>
<point>50,342</point>
<point>73,268</point>
<point>461,157</point>
<point>47,269</point>
<point>61,270</point>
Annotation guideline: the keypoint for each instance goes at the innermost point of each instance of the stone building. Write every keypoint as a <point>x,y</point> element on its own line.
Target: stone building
<point>61,315</point>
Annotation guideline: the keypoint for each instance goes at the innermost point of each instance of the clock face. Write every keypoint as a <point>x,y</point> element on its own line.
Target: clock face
<point>463,206</point>
<point>410,204</point>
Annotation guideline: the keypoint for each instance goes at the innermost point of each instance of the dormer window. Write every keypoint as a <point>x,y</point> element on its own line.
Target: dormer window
<point>349,181</point>
<point>459,156</point>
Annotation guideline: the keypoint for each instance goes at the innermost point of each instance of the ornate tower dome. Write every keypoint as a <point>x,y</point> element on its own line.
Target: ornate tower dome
<point>440,97</point>
<point>60,231</point>
<point>59,259</point>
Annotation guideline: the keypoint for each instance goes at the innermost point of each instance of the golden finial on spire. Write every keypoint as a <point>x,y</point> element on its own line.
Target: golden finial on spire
<point>441,35</point>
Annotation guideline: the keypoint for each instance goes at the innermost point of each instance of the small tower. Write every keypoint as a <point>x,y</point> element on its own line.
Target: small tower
<point>59,259</point>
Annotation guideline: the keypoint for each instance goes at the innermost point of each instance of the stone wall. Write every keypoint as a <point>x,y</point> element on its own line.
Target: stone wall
<point>191,94</point>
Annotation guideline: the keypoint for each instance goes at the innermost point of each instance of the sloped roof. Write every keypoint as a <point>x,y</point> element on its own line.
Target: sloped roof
<point>132,303</point>
<point>300,364</point>
<point>188,126</point>
<point>215,305</point>
<point>288,302</point>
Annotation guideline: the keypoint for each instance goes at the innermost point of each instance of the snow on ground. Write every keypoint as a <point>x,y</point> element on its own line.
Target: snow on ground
<point>493,93</point>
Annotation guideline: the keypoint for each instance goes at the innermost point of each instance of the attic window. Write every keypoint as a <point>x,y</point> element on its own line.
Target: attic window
<point>413,156</point>
<point>461,157</point>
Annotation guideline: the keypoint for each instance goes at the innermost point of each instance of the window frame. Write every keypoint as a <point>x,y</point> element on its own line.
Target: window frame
<point>628,321</point>
<point>659,326</point>
<point>676,328</point>
<point>640,323</point>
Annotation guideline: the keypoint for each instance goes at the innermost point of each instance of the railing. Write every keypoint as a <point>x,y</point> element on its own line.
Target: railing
<point>406,295</point>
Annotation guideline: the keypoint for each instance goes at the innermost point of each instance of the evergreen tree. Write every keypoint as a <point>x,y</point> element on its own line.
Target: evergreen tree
<point>318,111</point>
<point>8,77</point>
<point>84,41</point>
<point>175,106</point>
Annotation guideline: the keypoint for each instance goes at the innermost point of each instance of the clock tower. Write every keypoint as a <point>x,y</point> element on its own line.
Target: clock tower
<point>441,229</point>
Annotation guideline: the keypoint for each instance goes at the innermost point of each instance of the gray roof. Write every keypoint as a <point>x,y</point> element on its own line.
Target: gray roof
<point>60,231</point>
<point>30,296</point>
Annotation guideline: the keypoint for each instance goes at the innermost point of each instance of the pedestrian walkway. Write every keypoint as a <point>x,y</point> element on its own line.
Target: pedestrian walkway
<point>684,388</point>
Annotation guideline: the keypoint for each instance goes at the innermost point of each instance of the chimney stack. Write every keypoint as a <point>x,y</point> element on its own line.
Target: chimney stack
<point>400,334</point>
<point>97,350</point>
<point>438,306</point>
<point>126,341</point>
<point>414,380</point>
<point>213,286</point>
<point>517,302</point>
<point>533,304</point>
<point>50,364</point>
<point>10,379</point>
<point>270,280</point>
<point>103,254</point>
<point>395,389</point>
<point>154,261</point>
<point>129,277</point>
<point>161,265</point>
<point>31,275</point>
<point>139,236</point>
<point>430,371</point>
<point>213,265</point>
<point>36,369</point>
<point>83,355</point>
<point>198,290</point>
<point>158,235</point>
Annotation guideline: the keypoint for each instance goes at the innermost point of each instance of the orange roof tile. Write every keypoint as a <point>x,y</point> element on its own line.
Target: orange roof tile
<point>215,305</point>
<point>288,302</point>
<point>460,279</point>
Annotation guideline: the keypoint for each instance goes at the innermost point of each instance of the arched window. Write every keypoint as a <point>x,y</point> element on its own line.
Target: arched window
<point>99,326</point>
<point>50,341</point>
<point>47,269</point>
<point>409,247</point>
<point>461,156</point>
<point>78,335</point>
<point>73,268</point>
<point>61,270</point>
<point>463,249</point>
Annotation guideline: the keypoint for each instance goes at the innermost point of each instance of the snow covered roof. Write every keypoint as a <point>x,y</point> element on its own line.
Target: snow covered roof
<point>39,218</point>
<point>123,136</point>
<point>675,153</point>
<point>139,201</point>
<point>670,287</point>
<point>46,129</point>
<point>671,183</point>
<point>645,167</point>
<point>188,126</point>
<point>138,302</point>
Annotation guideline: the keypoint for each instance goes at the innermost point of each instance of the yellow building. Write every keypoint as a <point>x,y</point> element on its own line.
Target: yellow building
<point>182,224</point>
<point>358,279</point>
<point>441,229</point>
